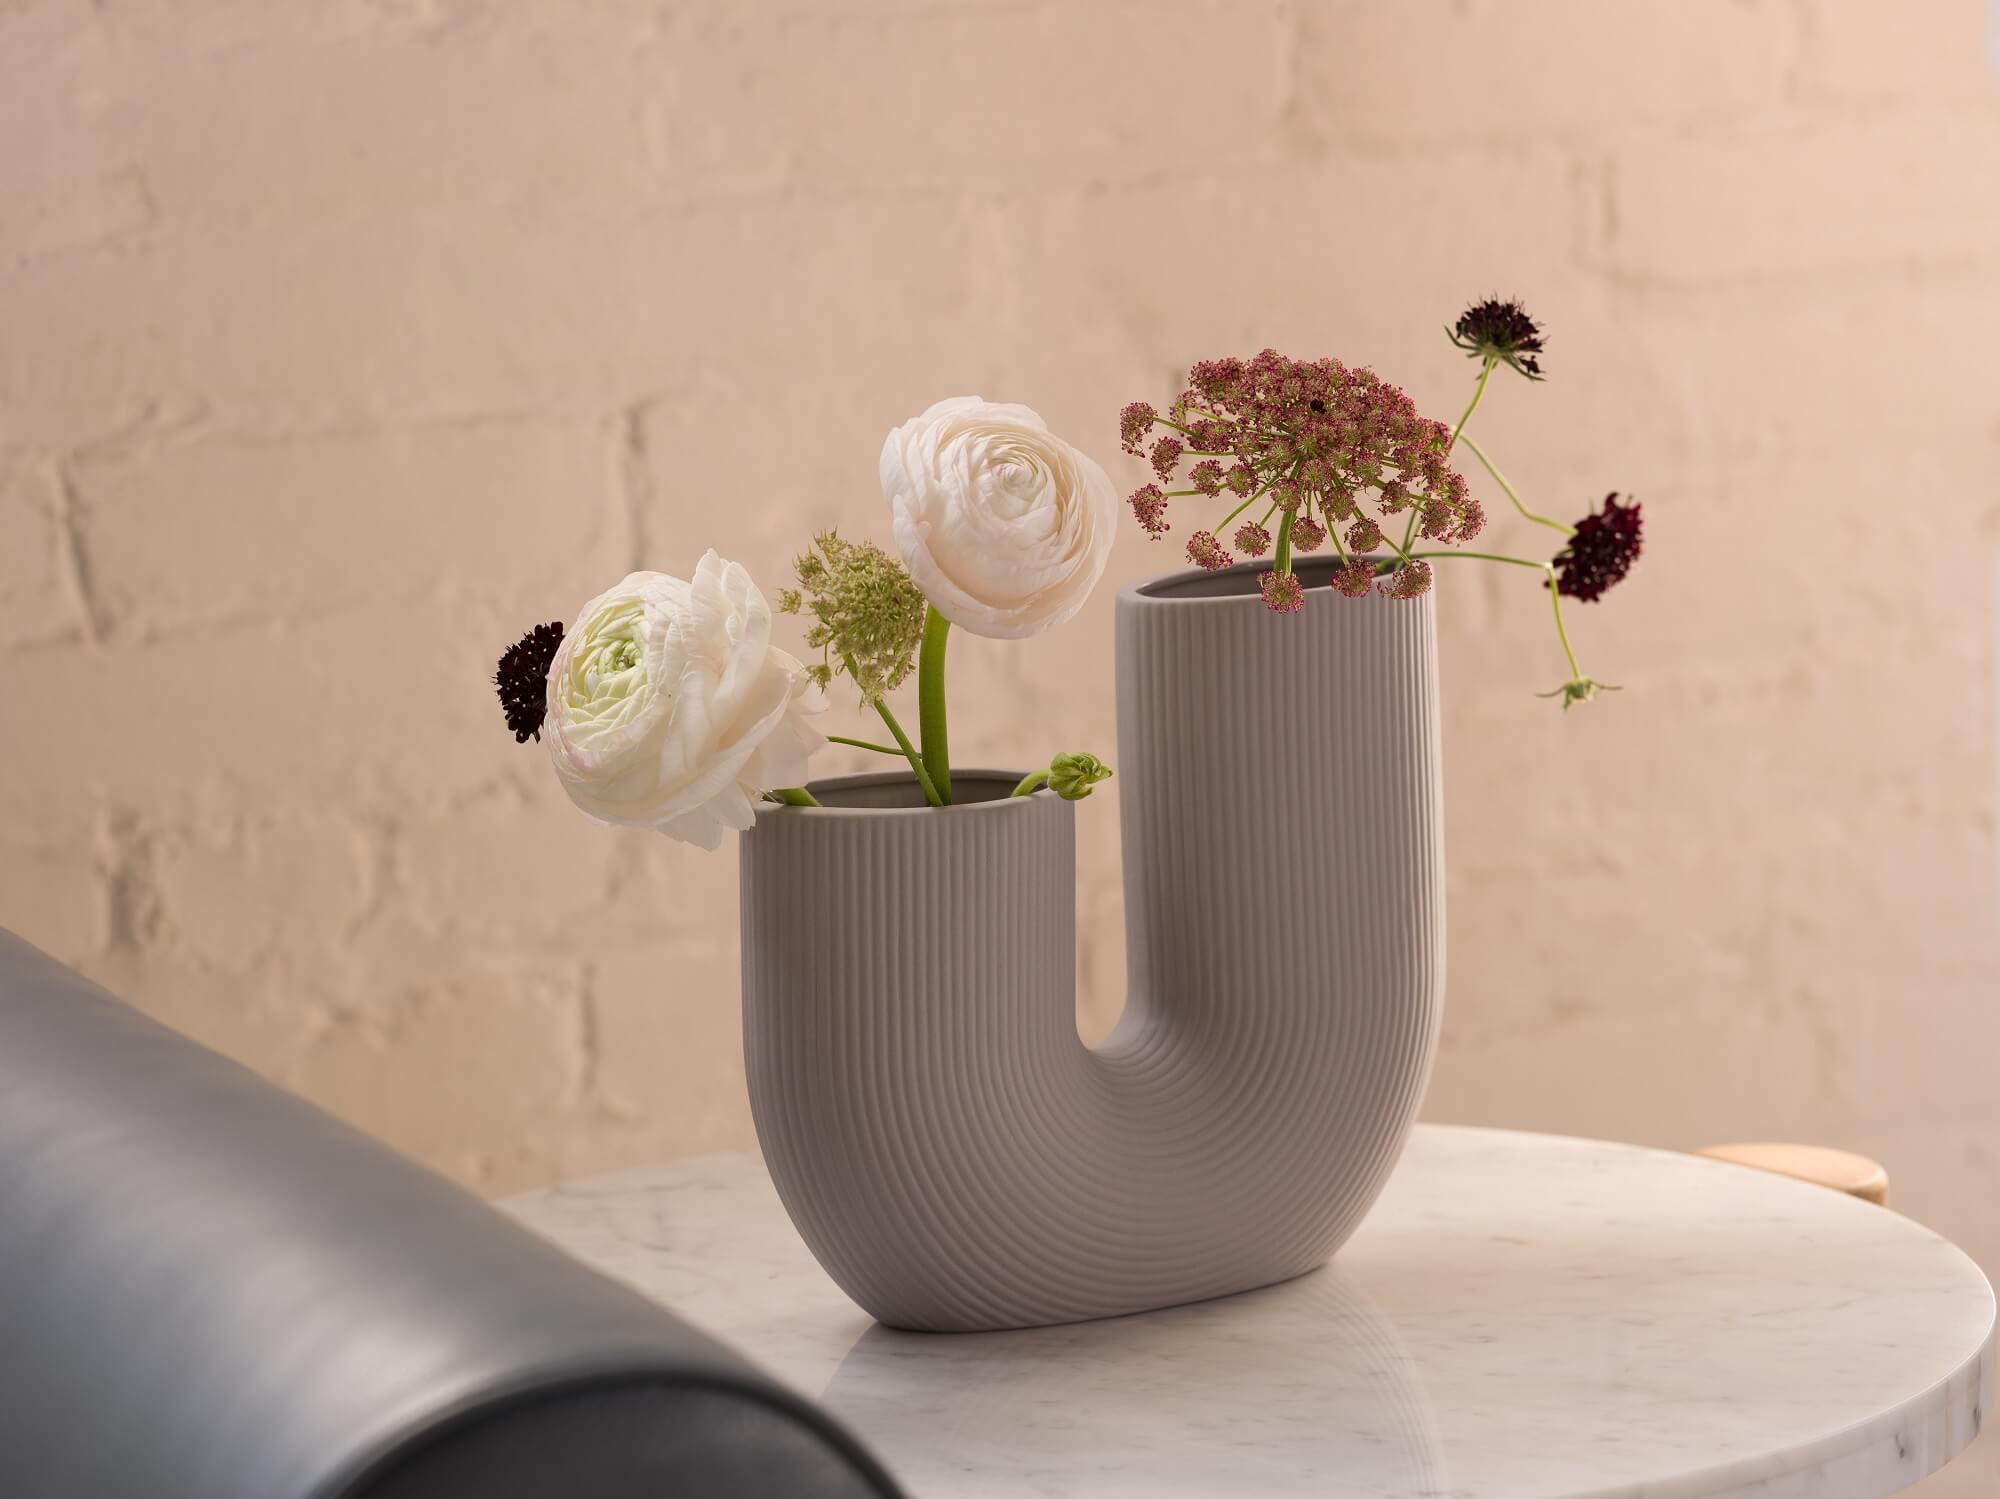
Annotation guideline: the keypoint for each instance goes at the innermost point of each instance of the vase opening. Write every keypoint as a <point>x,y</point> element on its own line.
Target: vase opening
<point>892,790</point>
<point>1239,581</point>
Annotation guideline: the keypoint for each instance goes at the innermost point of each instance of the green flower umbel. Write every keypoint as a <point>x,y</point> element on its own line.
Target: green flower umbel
<point>868,613</point>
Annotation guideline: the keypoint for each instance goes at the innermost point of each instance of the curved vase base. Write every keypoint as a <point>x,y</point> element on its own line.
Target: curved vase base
<point>951,1152</point>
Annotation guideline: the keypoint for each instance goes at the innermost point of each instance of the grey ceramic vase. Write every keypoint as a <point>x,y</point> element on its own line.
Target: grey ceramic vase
<point>949,1149</point>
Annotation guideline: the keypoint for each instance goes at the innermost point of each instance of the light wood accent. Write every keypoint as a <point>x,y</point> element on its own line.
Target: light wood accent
<point>1842,1170</point>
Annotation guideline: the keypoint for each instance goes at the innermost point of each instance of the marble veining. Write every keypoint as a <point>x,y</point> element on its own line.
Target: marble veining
<point>1520,1317</point>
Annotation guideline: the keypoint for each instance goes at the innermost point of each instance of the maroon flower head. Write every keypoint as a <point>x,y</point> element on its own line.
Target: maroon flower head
<point>1502,331</point>
<point>1355,577</point>
<point>1364,535</point>
<point>1471,521</point>
<point>1134,422</point>
<point>1283,593</point>
<point>1150,506</point>
<point>1213,378</point>
<point>1205,551</point>
<point>523,680</point>
<point>1251,539</point>
<point>1327,444</point>
<point>1411,580</point>
<point>1602,551</point>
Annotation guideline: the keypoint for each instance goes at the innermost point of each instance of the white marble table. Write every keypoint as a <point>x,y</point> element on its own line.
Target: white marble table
<point>1521,1317</point>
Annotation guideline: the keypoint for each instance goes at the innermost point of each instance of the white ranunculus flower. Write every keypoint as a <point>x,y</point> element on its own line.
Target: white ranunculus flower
<point>669,708</point>
<point>1005,526</point>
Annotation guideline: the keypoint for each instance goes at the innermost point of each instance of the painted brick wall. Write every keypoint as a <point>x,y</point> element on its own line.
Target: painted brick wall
<point>339,341</point>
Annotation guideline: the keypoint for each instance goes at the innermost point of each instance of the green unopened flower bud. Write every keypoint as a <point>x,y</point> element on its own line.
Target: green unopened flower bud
<point>1071,775</point>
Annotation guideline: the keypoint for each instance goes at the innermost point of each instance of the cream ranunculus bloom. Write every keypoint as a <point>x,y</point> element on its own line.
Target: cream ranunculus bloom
<point>669,708</point>
<point>1005,526</point>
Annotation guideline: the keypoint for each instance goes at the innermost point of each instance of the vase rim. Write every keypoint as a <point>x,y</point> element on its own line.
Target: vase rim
<point>1005,780</point>
<point>1224,585</point>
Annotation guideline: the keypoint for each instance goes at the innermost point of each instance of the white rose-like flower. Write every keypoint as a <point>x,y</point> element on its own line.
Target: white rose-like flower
<point>1005,526</point>
<point>669,708</point>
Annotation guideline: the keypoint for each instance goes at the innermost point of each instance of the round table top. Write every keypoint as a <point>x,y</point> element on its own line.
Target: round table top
<point>1521,1317</point>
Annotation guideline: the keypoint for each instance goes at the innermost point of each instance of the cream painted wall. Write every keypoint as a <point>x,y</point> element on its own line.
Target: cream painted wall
<point>341,341</point>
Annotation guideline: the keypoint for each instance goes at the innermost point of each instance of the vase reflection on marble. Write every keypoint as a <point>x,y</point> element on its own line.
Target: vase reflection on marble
<point>950,1151</point>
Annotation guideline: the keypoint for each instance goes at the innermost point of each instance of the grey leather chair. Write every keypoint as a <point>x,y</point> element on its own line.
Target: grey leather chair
<point>211,1290</point>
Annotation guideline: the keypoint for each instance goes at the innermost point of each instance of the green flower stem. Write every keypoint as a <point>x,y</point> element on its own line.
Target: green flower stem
<point>792,796</point>
<point>1555,594</point>
<point>1556,603</point>
<point>1501,479</point>
<point>930,702</point>
<point>1541,567</point>
<point>1478,390</point>
<point>1033,781</point>
<point>1281,560</point>
<point>880,749</point>
<point>1485,374</point>
<point>903,742</point>
<point>1255,496</point>
<point>1333,535</point>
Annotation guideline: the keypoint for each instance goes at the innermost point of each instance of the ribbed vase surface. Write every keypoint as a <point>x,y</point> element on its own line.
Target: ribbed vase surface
<point>949,1149</point>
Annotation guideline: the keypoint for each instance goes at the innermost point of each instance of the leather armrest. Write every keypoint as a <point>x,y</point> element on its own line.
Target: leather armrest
<point>210,1289</point>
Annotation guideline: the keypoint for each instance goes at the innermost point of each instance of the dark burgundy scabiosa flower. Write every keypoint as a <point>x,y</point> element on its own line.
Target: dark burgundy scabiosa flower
<point>523,680</point>
<point>1500,330</point>
<point>1253,540</point>
<point>1205,551</point>
<point>1601,552</point>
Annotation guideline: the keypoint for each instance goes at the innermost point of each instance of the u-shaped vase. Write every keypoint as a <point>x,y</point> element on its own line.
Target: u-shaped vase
<point>952,1153</point>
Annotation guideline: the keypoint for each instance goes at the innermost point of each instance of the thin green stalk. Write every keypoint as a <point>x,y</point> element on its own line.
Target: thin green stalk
<point>1490,557</point>
<point>930,701</point>
<point>1485,374</point>
<point>1555,595</point>
<point>1291,473</point>
<point>880,749</point>
<point>908,749</point>
<point>1402,552</point>
<point>1478,390</point>
<point>1033,781</point>
<point>1333,534</point>
<point>1281,561</point>
<point>1508,489</point>
<point>792,796</point>
<point>1251,499</point>
<point>1556,603</point>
